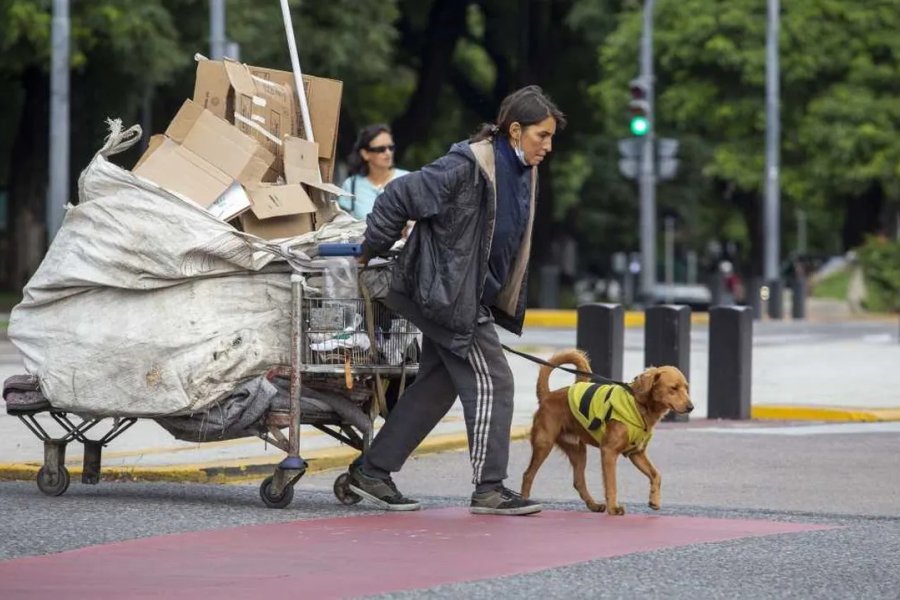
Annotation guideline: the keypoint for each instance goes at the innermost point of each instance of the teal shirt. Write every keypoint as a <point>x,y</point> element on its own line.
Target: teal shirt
<point>361,205</point>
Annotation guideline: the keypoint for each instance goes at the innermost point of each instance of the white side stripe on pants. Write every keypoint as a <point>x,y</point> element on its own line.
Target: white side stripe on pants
<point>484,404</point>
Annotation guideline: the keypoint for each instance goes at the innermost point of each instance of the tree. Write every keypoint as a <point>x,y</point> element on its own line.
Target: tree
<point>101,35</point>
<point>840,62</point>
<point>133,59</point>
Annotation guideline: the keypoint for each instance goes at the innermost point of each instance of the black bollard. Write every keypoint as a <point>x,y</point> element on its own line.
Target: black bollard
<point>730,362</point>
<point>667,341</point>
<point>798,298</point>
<point>601,335</point>
<point>716,287</point>
<point>754,299</point>
<point>776,299</point>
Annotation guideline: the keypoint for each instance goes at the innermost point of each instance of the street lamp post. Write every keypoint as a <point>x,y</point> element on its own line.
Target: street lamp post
<point>217,40</point>
<point>58,194</point>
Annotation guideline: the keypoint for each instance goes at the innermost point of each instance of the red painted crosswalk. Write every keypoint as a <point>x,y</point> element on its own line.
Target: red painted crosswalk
<point>353,556</point>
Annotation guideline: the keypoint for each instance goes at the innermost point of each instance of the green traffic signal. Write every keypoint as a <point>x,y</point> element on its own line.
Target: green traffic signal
<point>639,125</point>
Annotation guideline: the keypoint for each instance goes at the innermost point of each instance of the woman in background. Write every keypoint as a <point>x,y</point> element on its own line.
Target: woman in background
<point>371,166</point>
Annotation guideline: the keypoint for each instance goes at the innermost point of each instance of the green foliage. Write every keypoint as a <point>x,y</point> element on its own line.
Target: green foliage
<point>833,286</point>
<point>880,259</point>
<point>141,31</point>
<point>569,174</point>
<point>840,65</point>
<point>24,33</point>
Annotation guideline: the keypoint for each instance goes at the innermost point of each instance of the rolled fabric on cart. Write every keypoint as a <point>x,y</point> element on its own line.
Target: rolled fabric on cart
<point>242,414</point>
<point>147,305</point>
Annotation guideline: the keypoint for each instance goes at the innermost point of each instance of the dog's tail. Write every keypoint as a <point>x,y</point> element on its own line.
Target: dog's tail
<point>577,358</point>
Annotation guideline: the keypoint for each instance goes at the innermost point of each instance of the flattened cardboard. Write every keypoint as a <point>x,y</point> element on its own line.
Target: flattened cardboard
<point>279,211</point>
<point>262,109</point>
<point>300,166</point>
<point>179,170</point>
<point>323,96</point>
<point>213,90</point>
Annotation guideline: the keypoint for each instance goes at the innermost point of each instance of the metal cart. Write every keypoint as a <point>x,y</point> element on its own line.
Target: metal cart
<point>354,344</point>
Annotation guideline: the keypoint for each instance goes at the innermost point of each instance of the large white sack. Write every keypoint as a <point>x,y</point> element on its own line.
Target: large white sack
<point>147,305</point>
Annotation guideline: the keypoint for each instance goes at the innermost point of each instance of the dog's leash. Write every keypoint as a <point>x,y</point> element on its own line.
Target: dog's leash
<point>592,376</point>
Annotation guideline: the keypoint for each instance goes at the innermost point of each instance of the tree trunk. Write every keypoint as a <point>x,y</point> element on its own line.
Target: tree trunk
<point>446,24</point>
<point>28,180</point>
<point>863,216</point>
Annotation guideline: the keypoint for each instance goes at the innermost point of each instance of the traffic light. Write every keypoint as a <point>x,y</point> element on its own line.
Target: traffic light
<point>639,107</point>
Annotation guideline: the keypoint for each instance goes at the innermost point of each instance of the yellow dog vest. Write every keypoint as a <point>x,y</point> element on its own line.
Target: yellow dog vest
<point>594,405</point>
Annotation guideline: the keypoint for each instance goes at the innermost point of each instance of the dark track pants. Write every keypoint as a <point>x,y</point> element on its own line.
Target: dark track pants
<point>484,384</point>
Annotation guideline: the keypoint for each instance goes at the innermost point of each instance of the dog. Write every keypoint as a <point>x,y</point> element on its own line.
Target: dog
<point>621,424</point>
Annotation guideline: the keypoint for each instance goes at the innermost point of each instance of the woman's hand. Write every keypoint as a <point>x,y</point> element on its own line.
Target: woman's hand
<point>365,256</point>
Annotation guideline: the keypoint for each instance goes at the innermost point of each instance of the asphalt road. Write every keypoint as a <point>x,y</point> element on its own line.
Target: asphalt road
<point>841,476</point>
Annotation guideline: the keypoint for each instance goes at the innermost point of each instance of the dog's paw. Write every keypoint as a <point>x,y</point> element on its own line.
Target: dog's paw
<point>654,505</point>
<point>597,508</point>
<point>616,511</point>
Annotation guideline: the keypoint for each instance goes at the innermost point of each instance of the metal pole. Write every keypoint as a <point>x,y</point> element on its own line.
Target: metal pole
<point>217,29</point>
<point>670,257</point>
<point>773,135</point>
<point>58,196</point>
<point>647,178</point>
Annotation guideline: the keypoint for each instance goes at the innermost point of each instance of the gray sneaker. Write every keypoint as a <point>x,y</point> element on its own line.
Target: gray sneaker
<point>381,492</point>
<point>502,501</point>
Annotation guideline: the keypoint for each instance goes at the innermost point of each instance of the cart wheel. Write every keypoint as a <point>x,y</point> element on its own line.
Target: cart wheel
<point>343,492</point>
<point>270,499</point>
<point>53,486</point>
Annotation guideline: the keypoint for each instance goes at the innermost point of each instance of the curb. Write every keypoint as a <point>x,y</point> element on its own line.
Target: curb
<point>775,412</point>
<point>568,319</point>
<point>246,469</point>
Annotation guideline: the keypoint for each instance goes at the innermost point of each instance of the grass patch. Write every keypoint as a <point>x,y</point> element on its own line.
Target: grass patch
<point>833,286</point>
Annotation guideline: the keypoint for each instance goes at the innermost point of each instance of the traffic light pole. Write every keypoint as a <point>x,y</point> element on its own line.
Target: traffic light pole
<point>647,176</point>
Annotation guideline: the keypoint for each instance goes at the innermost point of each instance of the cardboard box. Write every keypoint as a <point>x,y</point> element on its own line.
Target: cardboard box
<point>299,207</point>
<point>201,157</point>
<point>260,108</point>
<point>214,89</point>
<point>301,166</point>
<point>279,211</point>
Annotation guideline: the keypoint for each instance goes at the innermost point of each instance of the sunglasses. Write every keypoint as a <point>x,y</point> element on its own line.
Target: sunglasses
<point>381,149</point>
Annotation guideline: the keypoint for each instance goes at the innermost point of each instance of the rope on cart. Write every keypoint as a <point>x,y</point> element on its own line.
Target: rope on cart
<point>380,400</point>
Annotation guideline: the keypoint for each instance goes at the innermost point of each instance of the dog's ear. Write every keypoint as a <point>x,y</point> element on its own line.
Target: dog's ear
<point>643,383</point>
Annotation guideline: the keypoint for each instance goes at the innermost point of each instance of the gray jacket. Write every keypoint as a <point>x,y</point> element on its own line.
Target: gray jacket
<point>438,278</point>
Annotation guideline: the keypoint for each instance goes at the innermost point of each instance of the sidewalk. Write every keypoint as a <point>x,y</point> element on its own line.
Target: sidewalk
<point>799,374</point>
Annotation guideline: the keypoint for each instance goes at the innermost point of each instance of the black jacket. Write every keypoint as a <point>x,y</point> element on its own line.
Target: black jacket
<point>438,278</point>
